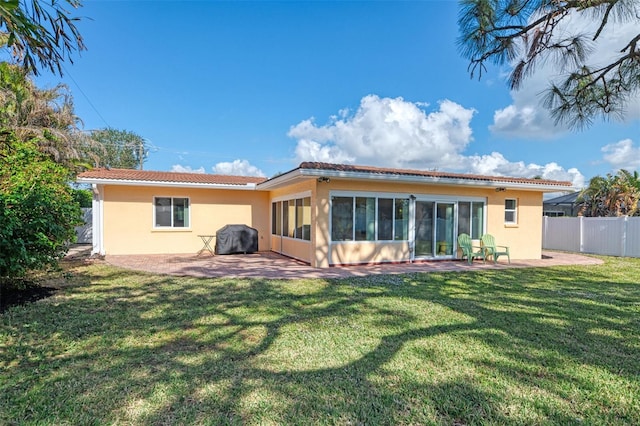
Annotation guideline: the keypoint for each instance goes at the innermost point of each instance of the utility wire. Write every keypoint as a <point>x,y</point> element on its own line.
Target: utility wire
<point>85,96</point>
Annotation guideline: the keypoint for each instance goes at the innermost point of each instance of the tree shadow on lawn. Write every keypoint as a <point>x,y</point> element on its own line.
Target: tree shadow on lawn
<point>375,350</point>
<point>25,291</point>
<point>13,295</point>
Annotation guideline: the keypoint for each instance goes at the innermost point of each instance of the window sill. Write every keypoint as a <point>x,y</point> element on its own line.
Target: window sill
<point>511,225</point>
<point>171,230</point>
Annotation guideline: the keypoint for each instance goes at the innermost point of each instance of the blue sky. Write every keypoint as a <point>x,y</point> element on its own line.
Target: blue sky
<point>258,87</point>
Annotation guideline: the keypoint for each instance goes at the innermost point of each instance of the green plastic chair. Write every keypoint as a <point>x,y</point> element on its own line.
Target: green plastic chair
<point>489,244</point>
<point>468,250</point>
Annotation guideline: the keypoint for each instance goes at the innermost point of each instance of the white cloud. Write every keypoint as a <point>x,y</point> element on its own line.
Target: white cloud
<point>186,169</point>
<point>526,117</point>
<point>622,155</point>
<point>237,168</point>
<point>396,133</point>
<point>496,165</point>
<point>389,132</point>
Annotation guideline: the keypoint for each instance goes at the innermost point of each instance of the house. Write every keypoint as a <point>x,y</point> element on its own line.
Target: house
<point>564,205</point>
<point>323,214</point>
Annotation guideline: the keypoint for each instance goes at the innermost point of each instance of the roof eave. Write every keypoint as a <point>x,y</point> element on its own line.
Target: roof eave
<point>432,180</point>
<point>125,182</point>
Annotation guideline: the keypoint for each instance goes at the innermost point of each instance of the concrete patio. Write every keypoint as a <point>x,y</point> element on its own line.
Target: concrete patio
<point>274,266</point>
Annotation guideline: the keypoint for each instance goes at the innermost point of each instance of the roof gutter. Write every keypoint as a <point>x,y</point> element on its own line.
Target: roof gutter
<point>433,180</point>
<point>244,187</point>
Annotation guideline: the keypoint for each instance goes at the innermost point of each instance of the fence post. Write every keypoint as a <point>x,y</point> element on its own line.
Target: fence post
<point>545,224</point>
<point>581,231</point>
<point>624,236</point>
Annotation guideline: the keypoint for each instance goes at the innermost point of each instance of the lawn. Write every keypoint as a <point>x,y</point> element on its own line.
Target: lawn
<point>518,346</point>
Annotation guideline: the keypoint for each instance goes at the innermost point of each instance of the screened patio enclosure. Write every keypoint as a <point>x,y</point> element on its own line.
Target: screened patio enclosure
<point>429,225</point>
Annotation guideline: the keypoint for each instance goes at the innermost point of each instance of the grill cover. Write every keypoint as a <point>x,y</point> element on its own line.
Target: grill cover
<point>236,239</point>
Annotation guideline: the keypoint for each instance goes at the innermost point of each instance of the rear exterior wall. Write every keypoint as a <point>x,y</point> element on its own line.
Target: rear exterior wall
<point>129,218</point>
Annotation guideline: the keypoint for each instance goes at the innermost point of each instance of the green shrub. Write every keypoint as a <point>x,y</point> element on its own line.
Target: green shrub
<point>37,210</point>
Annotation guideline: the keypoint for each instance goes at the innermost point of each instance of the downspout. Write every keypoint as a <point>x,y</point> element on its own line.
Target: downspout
<point>97,230</point>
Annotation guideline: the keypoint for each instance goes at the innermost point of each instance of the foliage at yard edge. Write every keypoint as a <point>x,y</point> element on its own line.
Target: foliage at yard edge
<point>514,346</point>
<point>37,211</point>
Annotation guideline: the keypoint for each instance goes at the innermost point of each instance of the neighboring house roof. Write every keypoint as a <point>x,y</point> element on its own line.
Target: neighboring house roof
<point>566,200</point>
<point>153,178</point>
<point>343,171</point>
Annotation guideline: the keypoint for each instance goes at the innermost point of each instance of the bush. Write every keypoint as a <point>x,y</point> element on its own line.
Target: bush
<point>83,197</point>
<point>37,211</point>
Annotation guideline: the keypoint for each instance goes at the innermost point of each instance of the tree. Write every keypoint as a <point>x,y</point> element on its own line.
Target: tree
<point>84,197</point>
<point>40,33</point>
<point>613,195</point>
<point>43,115</point>
<point>119,148</point>
<point>40,149</point>
<point>526,33</point>
<point>37,211</point>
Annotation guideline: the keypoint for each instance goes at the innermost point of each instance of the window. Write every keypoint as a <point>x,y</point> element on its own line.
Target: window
<point>292,218</point>
<point>510,211</point>
<point>285,218</point>
<point>361,218</point>
<point>477,220</point>
<point>553,213</point>
<point>342,219</point>
<point>470,219</point>
<point>401,230</point>
<point>306,218</point>
<point>291,229</point>
<point>385,219</point>
<point>171,212</point>
<point>365,219</point>
<point>276,218</point>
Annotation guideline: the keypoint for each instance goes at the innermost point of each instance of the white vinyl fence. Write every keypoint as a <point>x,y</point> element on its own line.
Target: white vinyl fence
<point>613,236</point>
<point>85,232</point>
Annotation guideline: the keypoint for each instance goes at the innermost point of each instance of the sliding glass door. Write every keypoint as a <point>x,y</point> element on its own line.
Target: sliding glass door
<point>424,228</point>
<point>434,229</point>
<point>445,221</point>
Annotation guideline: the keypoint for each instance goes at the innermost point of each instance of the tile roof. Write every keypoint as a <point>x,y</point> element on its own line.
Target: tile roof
<point>426,173</point>
<point>169,177</point>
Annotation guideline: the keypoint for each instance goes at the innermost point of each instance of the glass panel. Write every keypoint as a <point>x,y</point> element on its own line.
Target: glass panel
<point>273,218</point>
<point>163,211</point>
<point>285,218</point>
<point>401,219</point>
<point>180,212</point>
<point>277,218</point>
<point>424,229</point>
<point>477,221</point>
<point>444,229</point>
<point>299,217</point>
<point>342,219</point>
<point>510,210</point>
<point>306,218</point>
<point>385,219</point>
<point>292,219</point>
<point>464,218</point>
<point>365,219</point>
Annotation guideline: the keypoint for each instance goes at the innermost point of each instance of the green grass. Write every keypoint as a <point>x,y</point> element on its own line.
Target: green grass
<point>517,346</point>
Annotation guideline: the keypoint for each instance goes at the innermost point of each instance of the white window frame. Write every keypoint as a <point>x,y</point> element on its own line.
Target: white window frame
<point>377,195</point>
<point>288,198</point>
<point>171,227</point>
<point>514,211</point>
